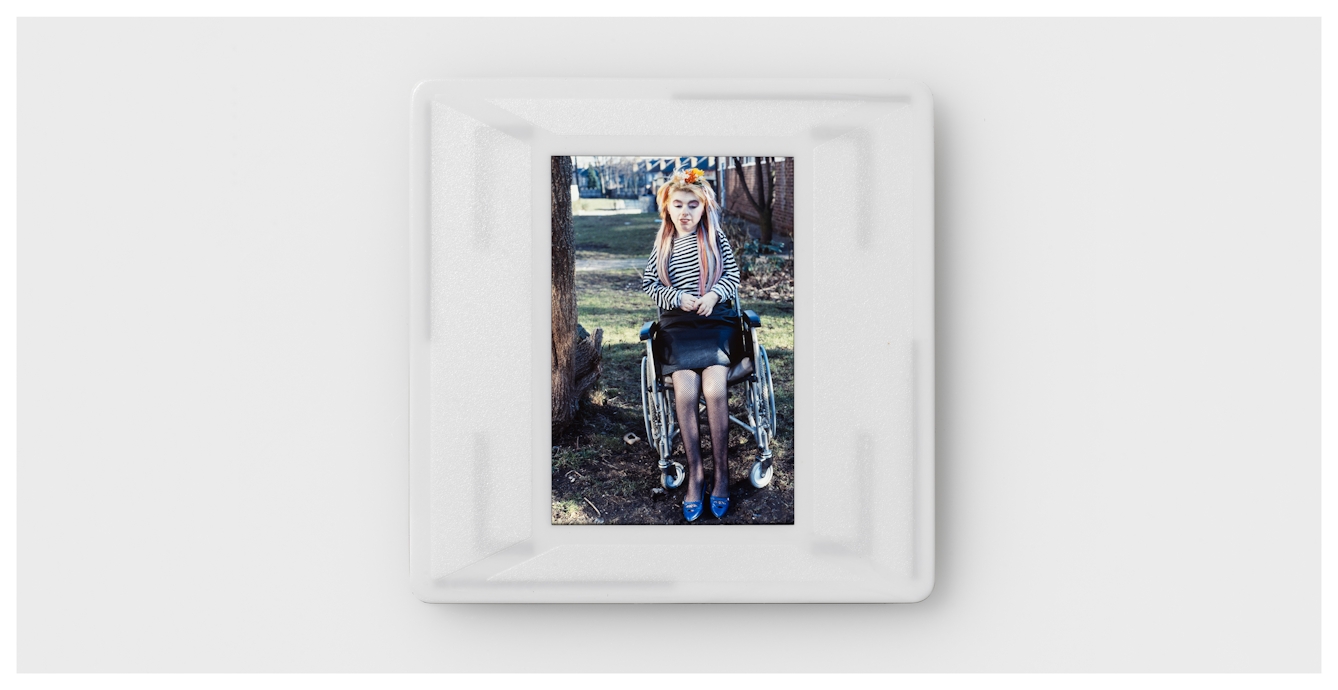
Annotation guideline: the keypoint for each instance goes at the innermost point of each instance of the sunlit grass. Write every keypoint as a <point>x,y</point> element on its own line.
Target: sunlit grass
<point>570,512</point>
<point>619,236</point>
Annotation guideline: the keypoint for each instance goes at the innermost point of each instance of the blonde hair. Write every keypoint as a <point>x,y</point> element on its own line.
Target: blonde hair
<point>710,263</point>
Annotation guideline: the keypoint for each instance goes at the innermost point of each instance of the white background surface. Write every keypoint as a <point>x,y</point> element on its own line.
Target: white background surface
<point>212,284</point>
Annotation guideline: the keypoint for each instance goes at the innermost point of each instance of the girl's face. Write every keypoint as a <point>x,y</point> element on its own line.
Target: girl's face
<point>686,210</point>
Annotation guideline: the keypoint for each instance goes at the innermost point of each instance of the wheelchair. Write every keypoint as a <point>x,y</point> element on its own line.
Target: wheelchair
<point>759,403</point>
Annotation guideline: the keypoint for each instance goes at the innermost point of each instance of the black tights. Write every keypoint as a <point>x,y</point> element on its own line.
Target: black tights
<point>709,383</point>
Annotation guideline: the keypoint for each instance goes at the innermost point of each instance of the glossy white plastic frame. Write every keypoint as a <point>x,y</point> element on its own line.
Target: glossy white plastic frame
<point>479,319</point>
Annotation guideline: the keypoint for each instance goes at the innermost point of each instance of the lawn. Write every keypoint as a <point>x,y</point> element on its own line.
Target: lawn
<point>625,235</point>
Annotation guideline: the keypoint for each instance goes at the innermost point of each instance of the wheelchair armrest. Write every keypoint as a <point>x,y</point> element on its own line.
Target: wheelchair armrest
<point>648,329</point>
<point>753,319</point>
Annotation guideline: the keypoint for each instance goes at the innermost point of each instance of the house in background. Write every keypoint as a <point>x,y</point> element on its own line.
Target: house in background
<point>634,181</point>
<point>659,170</point>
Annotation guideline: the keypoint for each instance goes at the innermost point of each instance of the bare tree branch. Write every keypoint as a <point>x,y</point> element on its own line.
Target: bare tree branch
<point>743,182</point>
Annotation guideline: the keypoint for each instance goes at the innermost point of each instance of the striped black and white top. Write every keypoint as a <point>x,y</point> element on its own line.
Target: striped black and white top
<point>684,269</point>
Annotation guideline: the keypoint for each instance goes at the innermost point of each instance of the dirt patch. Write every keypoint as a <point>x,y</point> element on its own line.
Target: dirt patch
<point>768,278</point>
<point>584,265</point>
<point>600,479</point>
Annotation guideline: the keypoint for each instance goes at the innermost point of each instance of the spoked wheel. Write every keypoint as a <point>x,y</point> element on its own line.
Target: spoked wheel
<point>761,412</point>
<point>758,476</point>
<point>648,414</point>
<point>656,413</point>
<point>768,392</point>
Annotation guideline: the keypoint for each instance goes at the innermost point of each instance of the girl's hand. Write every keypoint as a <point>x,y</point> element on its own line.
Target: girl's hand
<point>688,302</point>
<point>707,303</point>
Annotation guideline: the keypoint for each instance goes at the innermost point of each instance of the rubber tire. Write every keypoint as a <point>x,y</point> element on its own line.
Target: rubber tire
<point>758,479</point>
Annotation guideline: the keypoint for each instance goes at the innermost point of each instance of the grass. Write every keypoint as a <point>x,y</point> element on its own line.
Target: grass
<point>621,236</point>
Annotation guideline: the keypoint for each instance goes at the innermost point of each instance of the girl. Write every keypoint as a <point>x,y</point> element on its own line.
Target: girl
<point>693,278</point>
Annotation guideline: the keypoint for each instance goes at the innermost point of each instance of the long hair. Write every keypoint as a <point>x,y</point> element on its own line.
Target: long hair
<point>710,264</point>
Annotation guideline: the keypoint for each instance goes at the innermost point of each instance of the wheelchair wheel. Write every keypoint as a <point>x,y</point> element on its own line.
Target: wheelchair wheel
<point>646,402</point>
<point>674,481</point>
<point>655,410</point>
<point>758,476</point>
<point>767,391</point>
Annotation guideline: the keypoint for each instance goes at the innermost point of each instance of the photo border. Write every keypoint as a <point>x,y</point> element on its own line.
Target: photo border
<point>536,561</point>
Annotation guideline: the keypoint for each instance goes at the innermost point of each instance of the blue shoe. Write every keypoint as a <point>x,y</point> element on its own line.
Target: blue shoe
<point>691,510</point>
<point>719,506</point>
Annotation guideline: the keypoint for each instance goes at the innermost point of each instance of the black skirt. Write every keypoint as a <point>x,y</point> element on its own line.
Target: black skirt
<point>690,341</point>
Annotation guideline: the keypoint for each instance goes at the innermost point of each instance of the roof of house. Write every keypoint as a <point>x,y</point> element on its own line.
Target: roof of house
<point>679,163</point>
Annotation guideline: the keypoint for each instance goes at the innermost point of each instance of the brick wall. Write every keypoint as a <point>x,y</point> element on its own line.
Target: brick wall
<point>782,212</point>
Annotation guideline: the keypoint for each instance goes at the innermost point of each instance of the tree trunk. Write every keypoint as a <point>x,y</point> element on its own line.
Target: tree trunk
<point>587,360</point>
<point>576,356</point>
<point>564,398</point>
<point>762,202</point>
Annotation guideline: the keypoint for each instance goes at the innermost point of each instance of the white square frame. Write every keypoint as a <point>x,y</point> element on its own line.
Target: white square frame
<point>479,518</point>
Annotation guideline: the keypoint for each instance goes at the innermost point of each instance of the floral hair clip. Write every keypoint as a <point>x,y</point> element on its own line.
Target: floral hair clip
<point>694,176</point>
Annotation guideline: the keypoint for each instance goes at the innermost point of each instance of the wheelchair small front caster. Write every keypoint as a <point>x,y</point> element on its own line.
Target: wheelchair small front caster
<point>672,478</point>
<point>759,476</point>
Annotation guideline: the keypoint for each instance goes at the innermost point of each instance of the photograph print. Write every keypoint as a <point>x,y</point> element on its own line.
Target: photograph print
<point>672,340</point>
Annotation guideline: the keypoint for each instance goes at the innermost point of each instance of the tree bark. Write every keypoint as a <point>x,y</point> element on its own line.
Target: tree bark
<point>564,398</point>
<point>764,210</point>
<point>576,355</point>
<point>743,182</point>
<point>587,361</point>
<point>761,202</point>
